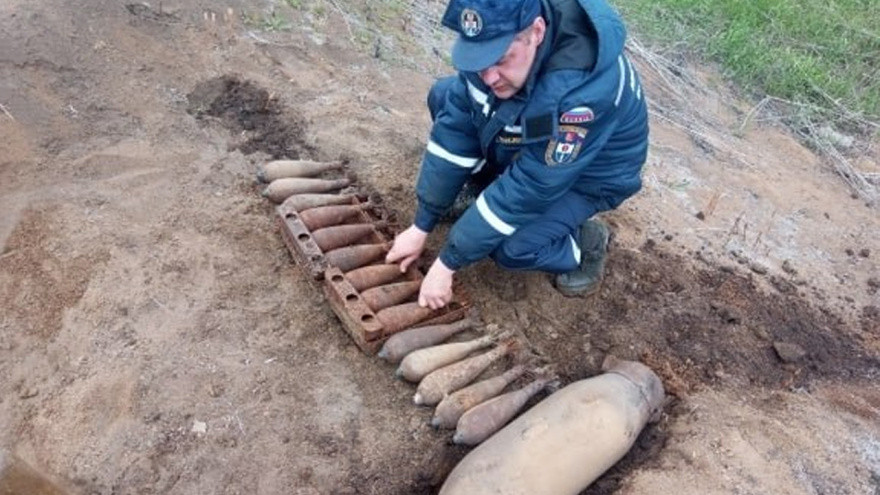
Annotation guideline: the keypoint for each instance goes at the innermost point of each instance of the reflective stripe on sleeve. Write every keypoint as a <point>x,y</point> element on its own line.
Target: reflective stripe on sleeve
<point>492,219</point>
<point>462,161</point>
<point>622,82</point>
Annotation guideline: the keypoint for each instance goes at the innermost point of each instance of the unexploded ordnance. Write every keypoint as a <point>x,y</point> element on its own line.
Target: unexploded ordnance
<point>301,202</point>
<point>481,421</point>
<point>439,383</point>
<point>400,344</point>
<point>566,441</point>
<point>384,296</point>
<point>396,318</point>
<point>373,275</point>
<point>279,169</point>
<point>450,409</point>
<point>280,189</point>
<point>419,363</point>
<point>350,257</point>
<point>326,216</point>
<point>337,236</point>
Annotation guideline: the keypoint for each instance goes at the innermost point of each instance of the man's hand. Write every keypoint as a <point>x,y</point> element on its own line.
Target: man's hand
<point>436,289</point>
<point>408,246</point>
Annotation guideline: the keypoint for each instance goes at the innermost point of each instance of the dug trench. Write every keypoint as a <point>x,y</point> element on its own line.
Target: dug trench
<point>697,324</point>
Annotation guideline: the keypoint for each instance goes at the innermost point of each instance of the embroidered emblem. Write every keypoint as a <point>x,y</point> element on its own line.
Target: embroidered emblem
<point>564,148</point>
<point>578,115</point>
<point>471,23</point>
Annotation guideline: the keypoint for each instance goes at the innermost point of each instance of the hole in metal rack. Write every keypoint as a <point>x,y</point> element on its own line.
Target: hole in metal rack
<point>351,297</point>
<point>367,318</point>
<point>337,278</point>
<point>303,237</point>
<point>315,257</point>
<point>290,215</point>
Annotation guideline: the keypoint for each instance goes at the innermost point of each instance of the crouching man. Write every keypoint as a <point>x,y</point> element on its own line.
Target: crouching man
<point>546,125</point>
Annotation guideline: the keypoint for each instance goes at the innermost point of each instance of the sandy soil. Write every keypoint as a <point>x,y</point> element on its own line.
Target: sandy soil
<point>155,336</point>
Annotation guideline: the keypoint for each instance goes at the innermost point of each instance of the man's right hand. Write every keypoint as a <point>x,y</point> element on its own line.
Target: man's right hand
<point>408,246</point>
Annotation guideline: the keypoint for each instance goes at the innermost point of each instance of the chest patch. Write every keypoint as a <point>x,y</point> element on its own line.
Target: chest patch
<point>566,146</point>
<point>578,115</point>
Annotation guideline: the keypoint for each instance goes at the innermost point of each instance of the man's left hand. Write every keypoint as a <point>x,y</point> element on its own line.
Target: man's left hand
<point>436,290</point>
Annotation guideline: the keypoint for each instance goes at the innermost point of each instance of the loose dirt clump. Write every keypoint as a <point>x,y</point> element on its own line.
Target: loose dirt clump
<point>705,327</point>
<point>244,108</point>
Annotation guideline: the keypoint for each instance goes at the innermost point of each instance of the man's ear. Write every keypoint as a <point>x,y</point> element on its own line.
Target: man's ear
<point>539,29</point>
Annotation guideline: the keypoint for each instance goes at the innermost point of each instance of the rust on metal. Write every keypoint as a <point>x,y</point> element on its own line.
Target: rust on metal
<point>305,252</point>
<point>359,320</point>
<point>344,295</point>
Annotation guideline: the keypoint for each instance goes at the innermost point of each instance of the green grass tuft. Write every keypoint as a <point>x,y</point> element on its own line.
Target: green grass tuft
<point>808,51</point>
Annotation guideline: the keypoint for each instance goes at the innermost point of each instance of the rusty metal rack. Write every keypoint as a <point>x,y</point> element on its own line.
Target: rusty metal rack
<point>358,319</point>
<point>305,251</point>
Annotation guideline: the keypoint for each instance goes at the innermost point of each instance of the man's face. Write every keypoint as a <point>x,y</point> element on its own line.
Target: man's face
<point>509,74</point>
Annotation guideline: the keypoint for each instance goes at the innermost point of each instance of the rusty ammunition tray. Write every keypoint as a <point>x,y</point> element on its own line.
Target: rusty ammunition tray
<point>306,253</point>
<point>359,320</point>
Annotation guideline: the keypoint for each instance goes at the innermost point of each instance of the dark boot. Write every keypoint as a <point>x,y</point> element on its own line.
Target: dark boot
<point>586,279</point>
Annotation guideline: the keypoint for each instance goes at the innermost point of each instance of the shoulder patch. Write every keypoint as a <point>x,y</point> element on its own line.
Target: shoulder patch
<point>578,115</point>
<point>566,146</point>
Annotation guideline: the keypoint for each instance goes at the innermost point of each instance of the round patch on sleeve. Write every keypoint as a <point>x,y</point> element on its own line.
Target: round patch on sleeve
<point>566,146</point>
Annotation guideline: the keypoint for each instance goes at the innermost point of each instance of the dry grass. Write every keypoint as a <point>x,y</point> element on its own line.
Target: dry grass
<point>674,90</point>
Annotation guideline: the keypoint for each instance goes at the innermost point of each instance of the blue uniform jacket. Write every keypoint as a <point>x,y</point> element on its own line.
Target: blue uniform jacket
<point>579,125</point>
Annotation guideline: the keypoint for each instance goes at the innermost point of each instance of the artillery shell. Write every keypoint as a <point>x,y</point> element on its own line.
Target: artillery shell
<point>280,189</point>
<point>397,318</point>
<point>280,169</point>
<point>419,363</point>
<point>439,383</point>
<point>325,216</point>
<point>384,296</point>
<point>338,236</point>
<point>351,257</point>
<point>373,275</point>
<point>401,344</point>
<point>451,408</point>
<point>480,422</point>
<point>300,202</point>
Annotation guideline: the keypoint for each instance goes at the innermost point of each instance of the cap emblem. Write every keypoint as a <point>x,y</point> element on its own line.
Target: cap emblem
<point>471,23</point>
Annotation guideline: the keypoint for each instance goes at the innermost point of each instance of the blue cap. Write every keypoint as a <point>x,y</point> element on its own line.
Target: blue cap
<point>486,28</point>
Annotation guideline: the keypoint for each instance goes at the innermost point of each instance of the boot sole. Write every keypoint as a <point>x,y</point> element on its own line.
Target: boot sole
<point>569,292</point>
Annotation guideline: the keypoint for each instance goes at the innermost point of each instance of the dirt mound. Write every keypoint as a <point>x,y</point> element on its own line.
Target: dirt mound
<point>243,108</point>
